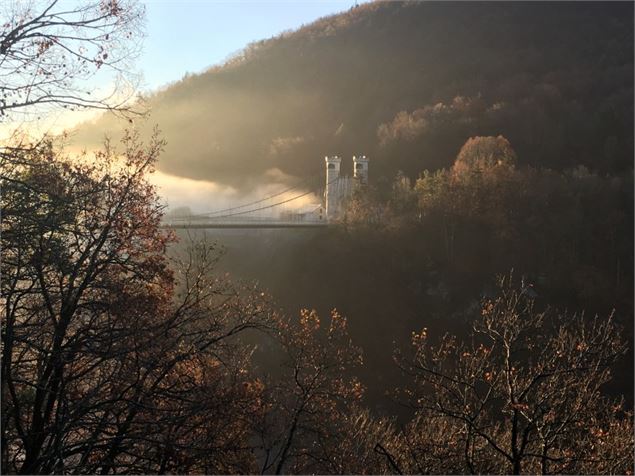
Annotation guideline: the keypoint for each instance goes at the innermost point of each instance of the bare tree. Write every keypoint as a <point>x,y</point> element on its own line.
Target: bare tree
<point>312,395</point>
<point>524,394</point>
<point>49,49</point>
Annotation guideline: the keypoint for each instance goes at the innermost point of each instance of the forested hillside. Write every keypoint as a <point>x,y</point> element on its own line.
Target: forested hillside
<point>408,84</point>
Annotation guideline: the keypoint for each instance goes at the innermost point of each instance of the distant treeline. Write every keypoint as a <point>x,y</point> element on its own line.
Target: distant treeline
<point>570,230</point>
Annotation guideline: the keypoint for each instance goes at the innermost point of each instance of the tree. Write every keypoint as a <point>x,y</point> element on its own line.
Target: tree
<point>524,393</point>
<point>309,402</point>
<point>481,154</point>
<point>440,202</point>
<point>114,357</point>
<point>403,200</point>
<point>365,444</point>
<point>48,50</point>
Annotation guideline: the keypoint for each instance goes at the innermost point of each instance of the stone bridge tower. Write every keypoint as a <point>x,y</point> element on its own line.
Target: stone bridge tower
<point>331,191</point>
<point>360,170</point>
<point>339,188</point>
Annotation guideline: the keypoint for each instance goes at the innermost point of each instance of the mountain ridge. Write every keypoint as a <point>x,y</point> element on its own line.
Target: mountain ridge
<point>407,84</point>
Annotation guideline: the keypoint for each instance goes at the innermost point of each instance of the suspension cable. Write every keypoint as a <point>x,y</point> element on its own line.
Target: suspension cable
<point>237,207</point>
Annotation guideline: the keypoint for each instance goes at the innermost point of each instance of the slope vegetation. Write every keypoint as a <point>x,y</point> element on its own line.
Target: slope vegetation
<point>407,84</point>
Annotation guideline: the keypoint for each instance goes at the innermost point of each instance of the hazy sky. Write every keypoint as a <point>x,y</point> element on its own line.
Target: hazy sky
<point>188,36</point>
<point>191,35</point>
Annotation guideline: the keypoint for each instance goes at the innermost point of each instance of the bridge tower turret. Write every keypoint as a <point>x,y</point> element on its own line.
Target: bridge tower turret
<point>360,170</point>
<point>332,190</point>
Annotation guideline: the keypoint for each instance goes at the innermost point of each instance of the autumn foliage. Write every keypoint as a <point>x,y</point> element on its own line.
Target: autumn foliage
<point>123,353</point>
<point>114,357</point>
<point>121,356</point>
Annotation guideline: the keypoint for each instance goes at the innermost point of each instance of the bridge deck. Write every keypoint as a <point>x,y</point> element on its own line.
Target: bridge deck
<point>244,224</point>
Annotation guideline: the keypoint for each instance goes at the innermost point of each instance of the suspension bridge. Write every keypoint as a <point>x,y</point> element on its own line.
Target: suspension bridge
<point>292,207</point>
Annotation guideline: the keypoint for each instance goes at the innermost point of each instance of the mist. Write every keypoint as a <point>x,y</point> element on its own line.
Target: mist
<point>184,196</point>
<point>362,83</point>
